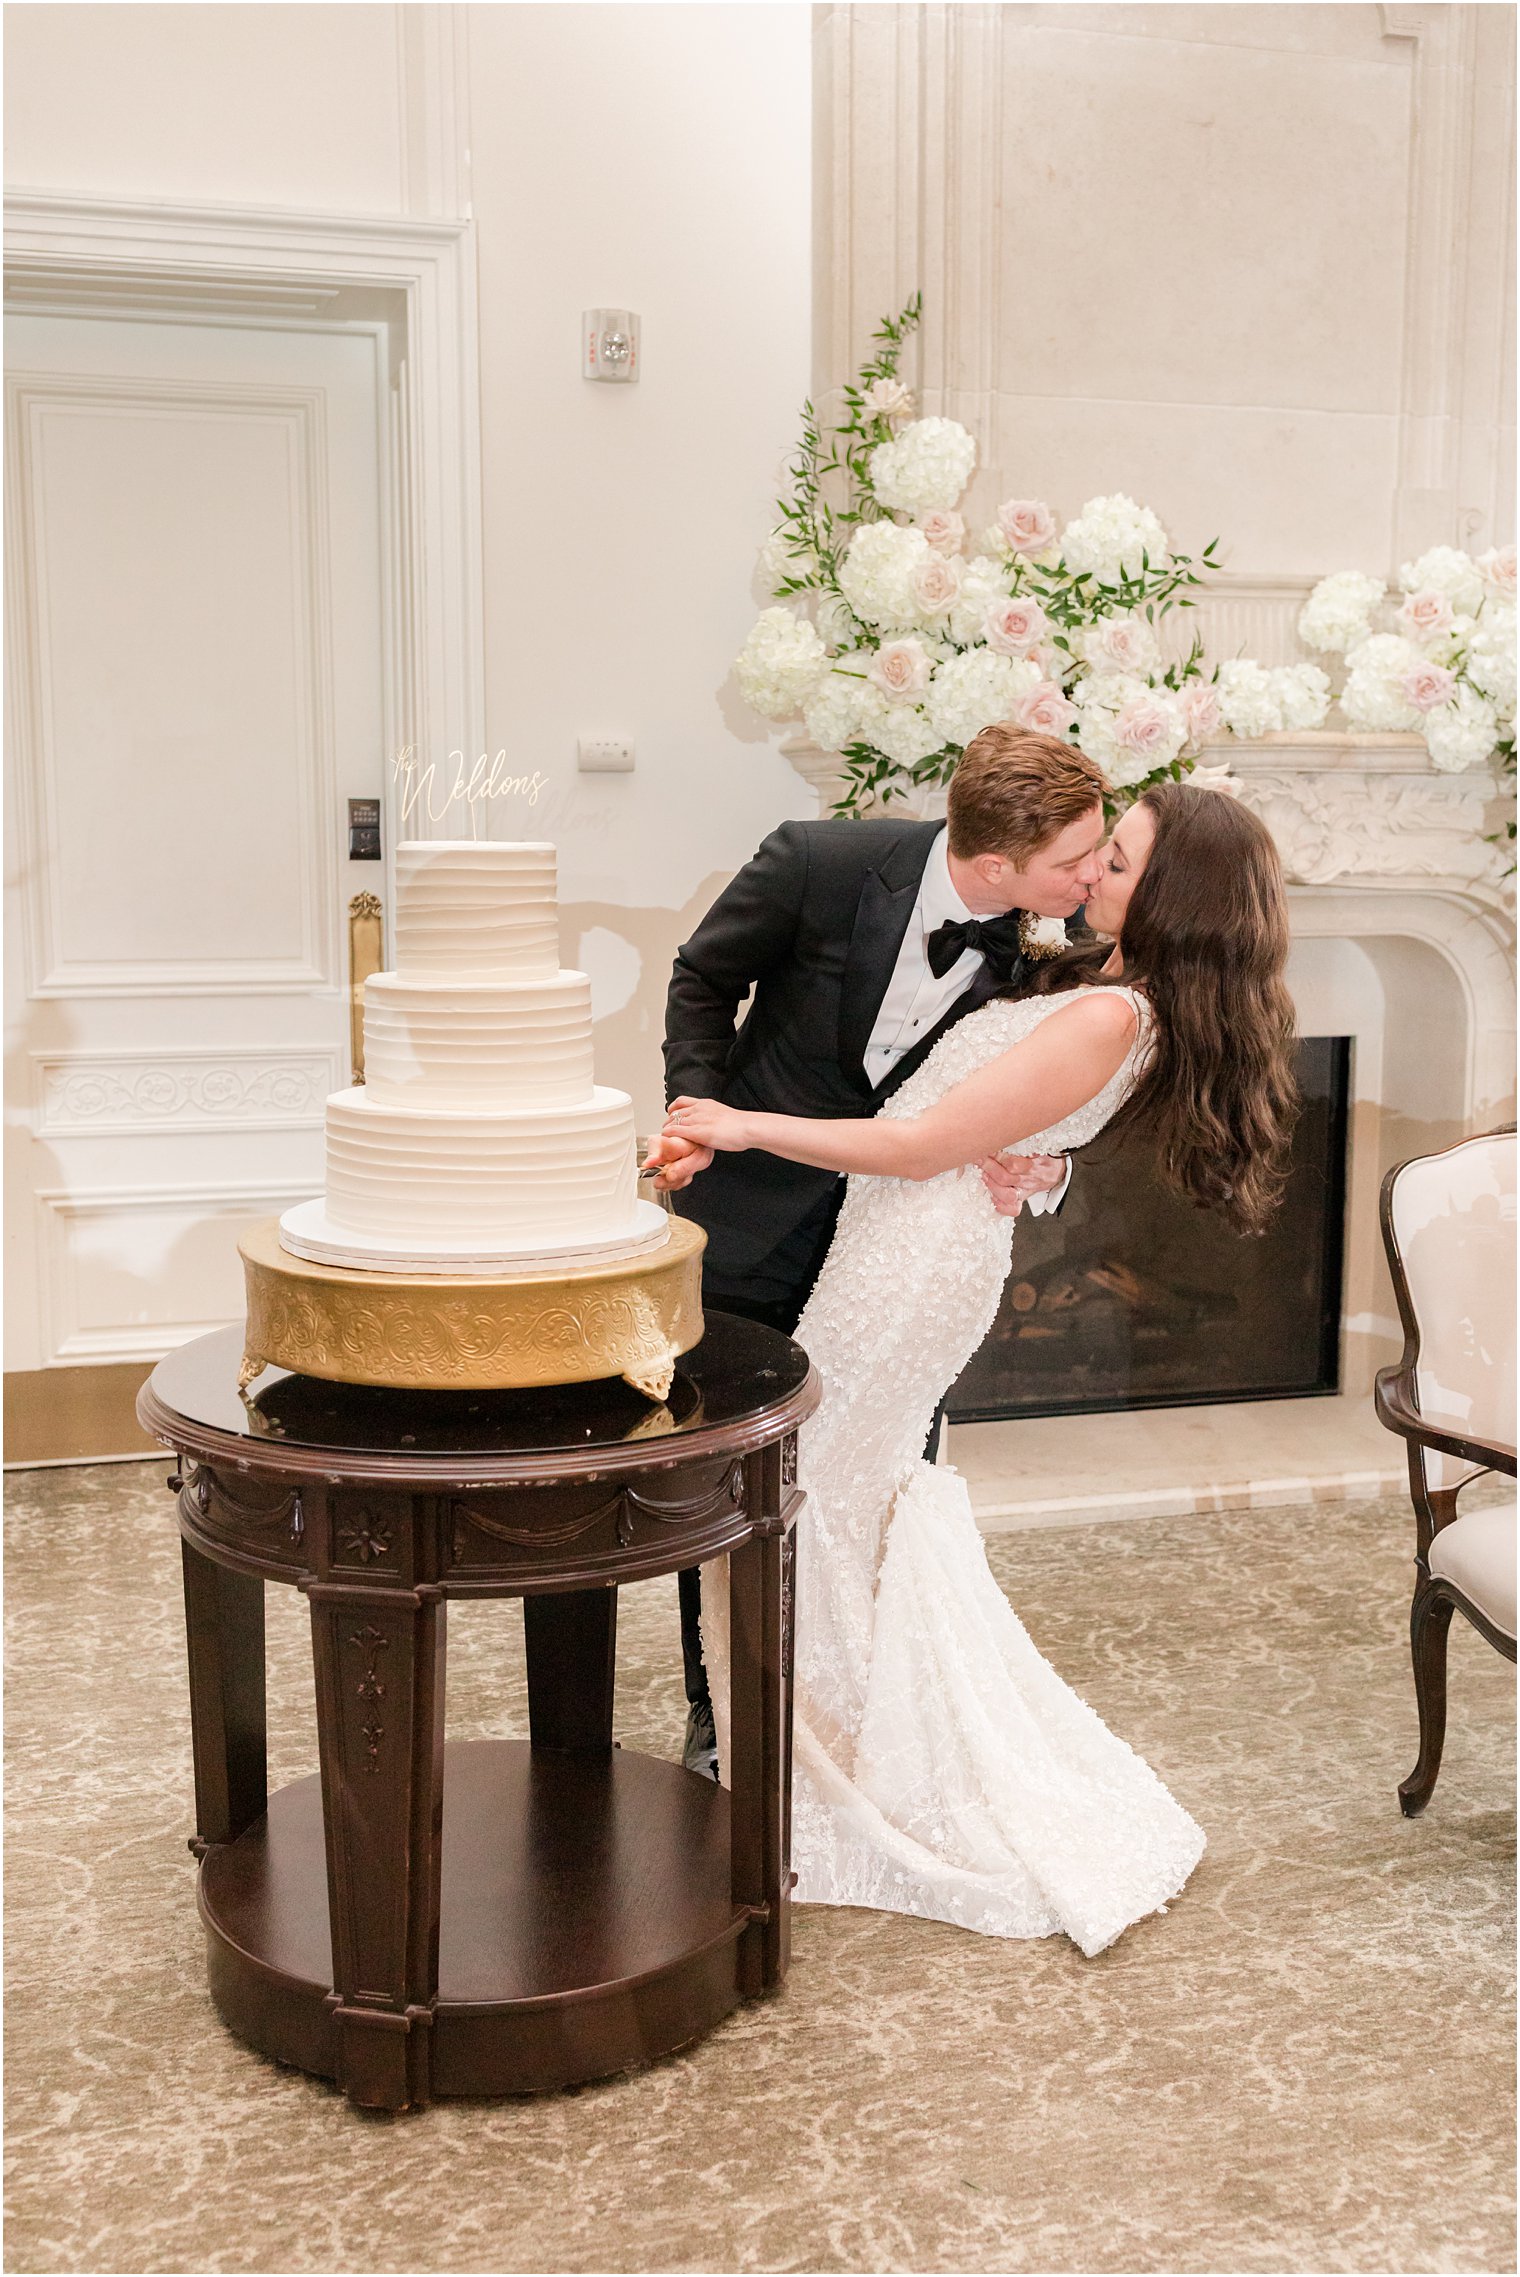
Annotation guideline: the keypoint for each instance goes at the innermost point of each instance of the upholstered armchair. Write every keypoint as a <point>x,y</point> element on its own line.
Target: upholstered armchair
<point>1449,1229</point>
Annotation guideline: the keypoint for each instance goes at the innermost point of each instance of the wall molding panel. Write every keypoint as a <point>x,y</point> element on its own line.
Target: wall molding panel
<point>36,406</point>
<point>117,1263</point>
<point>141,1094</point>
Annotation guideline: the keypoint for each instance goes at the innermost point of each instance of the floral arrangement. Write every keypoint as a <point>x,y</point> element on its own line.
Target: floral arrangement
<point>893,645</point>
<point>1437,660</point>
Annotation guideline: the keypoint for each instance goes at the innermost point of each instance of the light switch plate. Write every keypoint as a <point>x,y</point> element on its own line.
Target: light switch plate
<point>605,755</point>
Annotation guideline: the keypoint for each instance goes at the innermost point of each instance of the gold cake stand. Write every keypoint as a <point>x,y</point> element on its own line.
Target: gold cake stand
<point>632,1317</point>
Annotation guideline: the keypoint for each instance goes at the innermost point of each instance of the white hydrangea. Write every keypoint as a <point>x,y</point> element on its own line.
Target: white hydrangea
<point>845,707</point>
<point>780,664</point>
<point>1372,697</point>
<point>1446,569</point>
<point>1249,703</point>
<point>1302,693</point>
<point>1462,733</point>
<point>1094,734</point>
<point>1338,613</point>
<point>925,468</point>
<point>876,575</point>
<point>906,735</point>
<point>772,564</point>
<point>971,691</point>
<point>983,581</point>
<point>1120,643</point>
<point>1491,657</point>
<point>833,620</point>
<point>1109,536</point>
<point>778,561</point>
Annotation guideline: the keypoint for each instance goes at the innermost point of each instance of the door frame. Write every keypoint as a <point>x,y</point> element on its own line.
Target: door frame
<point>414,280</point>
<point>70,256</point>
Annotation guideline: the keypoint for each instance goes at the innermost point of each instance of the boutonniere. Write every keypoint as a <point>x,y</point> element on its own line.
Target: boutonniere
<point>1042,937</point>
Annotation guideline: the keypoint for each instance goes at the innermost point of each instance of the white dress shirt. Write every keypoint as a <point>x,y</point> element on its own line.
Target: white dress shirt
<point>916,998</point>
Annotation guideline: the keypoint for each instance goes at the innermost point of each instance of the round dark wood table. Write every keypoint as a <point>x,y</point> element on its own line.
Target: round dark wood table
<point>500,1916</point>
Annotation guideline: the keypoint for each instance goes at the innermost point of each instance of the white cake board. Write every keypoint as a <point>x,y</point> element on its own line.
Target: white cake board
<point>307,1231</point>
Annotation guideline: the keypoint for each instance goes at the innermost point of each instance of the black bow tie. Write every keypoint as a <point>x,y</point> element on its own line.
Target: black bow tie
<point>995,938</point>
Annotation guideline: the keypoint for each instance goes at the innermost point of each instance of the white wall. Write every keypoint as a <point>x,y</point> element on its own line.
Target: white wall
<point>238,104</point>
<point>654,158</point>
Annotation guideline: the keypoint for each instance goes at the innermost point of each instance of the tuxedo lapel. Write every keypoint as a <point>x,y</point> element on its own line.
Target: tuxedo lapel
<point>881,919</point>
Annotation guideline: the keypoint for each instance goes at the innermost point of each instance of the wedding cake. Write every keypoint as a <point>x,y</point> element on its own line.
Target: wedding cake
<point>479,1141</point>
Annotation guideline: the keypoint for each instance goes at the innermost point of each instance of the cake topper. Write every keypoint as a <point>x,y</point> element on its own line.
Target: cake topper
<point>486,780</point>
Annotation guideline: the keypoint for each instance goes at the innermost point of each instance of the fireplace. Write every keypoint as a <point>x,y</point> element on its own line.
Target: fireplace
<point>1129,1297</point>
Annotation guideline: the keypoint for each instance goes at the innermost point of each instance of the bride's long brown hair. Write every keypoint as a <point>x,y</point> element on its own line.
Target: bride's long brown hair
<point>1206,936</point>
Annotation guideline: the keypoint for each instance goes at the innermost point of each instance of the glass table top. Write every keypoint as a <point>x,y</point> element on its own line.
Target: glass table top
<point>738,1369</point>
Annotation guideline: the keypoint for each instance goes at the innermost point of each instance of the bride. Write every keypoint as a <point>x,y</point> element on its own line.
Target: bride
<point>941,1767</point>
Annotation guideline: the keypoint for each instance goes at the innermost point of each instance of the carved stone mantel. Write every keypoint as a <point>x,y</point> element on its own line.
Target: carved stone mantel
<point>1343,807</point>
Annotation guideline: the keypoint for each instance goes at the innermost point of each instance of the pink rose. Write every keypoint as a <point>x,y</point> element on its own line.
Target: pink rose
<point>1147,727</point>
<point>1200,711</point>
<point>1026,524</point>
<point>936,586</point>
<point>1427,686</point>
<point>888,399</point>
<point>900,668</point>
<point>1014,627</point>
<point>1497,568</point>
<point>1045,710</point>
<point>945,531</point>
<point>1120,644</point>
<point>1425,616</point>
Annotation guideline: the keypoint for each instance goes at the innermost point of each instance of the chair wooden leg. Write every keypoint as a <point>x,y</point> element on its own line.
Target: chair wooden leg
<point>1429,1626</point>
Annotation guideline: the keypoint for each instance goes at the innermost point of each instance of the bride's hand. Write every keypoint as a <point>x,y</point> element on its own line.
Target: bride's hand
<point>707,1122</point>
<point>672,1163</point>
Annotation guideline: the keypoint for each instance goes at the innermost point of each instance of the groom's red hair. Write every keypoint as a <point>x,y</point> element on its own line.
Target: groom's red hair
<point>1013,792</point>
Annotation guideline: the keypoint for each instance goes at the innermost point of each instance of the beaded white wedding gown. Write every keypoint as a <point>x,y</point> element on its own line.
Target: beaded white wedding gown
<point>941,1766</point>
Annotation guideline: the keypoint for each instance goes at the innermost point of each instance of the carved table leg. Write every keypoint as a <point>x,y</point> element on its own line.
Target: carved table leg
<point>760,1662</point>
<point>571,1639</point>
<point>380,1709</point>
<point>224,1636</point>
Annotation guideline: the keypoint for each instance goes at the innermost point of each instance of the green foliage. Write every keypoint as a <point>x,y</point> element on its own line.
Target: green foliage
<point>830,478</point>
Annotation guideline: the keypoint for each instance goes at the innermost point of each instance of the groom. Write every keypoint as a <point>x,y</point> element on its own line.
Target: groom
<point>864,942</point>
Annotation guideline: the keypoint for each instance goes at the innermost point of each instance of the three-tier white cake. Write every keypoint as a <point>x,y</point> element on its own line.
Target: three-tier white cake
<point>480,1141</point>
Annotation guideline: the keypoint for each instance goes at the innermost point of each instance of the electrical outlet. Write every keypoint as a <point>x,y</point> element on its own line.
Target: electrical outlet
<point>605,755</point>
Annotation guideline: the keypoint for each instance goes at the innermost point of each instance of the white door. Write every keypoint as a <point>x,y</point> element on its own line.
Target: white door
<point>194,638</point>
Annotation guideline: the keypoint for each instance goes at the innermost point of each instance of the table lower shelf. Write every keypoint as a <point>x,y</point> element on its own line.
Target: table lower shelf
<point>586,1920</point>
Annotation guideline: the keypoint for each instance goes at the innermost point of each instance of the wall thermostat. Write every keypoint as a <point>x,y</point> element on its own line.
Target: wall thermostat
<point>610,344</point>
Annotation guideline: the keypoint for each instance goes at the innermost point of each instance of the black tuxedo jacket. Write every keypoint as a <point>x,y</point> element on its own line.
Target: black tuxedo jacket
<point>814,925</point>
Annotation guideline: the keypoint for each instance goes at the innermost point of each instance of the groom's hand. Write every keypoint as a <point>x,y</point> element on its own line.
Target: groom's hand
<point>1011,1178</point>
<point>677,1161</point>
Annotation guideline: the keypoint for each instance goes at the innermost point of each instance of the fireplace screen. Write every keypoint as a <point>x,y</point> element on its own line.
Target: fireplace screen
<point>1129,1297</point>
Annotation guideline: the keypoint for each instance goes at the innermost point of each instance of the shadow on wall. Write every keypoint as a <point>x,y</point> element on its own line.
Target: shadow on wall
<point>628,953</point>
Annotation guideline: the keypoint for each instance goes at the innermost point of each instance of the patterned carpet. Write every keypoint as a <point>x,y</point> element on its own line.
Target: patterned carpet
<point>1305,2065</point>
